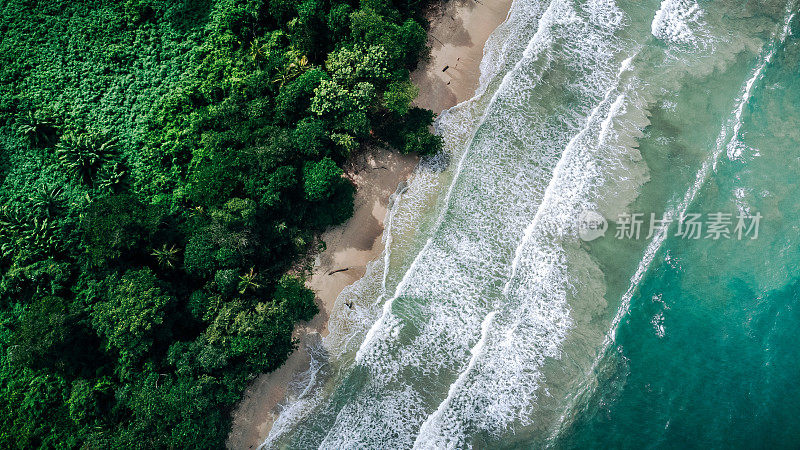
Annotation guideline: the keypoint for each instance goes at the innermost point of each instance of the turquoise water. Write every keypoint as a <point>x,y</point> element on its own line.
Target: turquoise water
<point>489,322</point>
<point>708,354</point>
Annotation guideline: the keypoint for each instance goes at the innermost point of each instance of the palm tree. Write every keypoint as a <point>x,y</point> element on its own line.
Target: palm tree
<point>281,228</point>
<point>167,257</point>
<point>258,49</point>
<point>39,132</point>
<point>40,234</point>
<point>292,70</point>
<point>82,157</point>
<point>197,211</point>
<point>13,220</point>
<point>113,179</point>
<point>23,236</point>
<point>248,281</point>
<point>300,64</point>
<point>47,199</point>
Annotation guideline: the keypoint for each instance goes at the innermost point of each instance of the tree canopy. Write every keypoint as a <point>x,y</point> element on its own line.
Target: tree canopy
<point>165,167</point>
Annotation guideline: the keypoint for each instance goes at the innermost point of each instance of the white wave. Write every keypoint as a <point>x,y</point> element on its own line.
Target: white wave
<point>677,21</point>
<point>426,437</point>
<point>404,216</point>
<point>434,317</point>
<point>471,317</point>
<point>500,384</point>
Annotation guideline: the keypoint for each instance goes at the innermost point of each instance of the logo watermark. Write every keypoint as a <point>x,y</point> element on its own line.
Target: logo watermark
<point>591,225</point>
<point>714,226</point>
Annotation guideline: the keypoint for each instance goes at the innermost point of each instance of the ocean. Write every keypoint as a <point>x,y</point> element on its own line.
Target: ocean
<point>494,320</point>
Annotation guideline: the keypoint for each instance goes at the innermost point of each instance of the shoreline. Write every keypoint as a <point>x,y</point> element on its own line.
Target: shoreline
<point>349,247</point>
<point>457,34</point>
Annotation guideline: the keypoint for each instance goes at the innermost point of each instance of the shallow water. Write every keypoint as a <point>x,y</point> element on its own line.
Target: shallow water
<point>490,322</point>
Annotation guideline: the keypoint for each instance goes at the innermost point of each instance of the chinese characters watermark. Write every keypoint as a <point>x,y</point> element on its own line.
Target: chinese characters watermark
<point>715,226</point>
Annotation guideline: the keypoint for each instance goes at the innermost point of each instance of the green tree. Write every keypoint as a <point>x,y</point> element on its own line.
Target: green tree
<point>132,314</point>
<point>282,10</point>
<point>227,282</point>
<point>416,135</point>
<point>281,181</point>
<point>199,256</point>
<point>305,30</point>
<point>398,97</point>
<point>403,43</point>
<point>294,98</point>
<point>338,20</point>
<point>349,66</point>
<point>310,137</point>
<point>344,109</point>
<point>43,333</point>
<point>321,178</point>
<point>296,299</point>
<point>116,225</point>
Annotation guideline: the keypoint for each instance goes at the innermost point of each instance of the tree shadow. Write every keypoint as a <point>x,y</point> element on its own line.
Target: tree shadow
<point>187,15</point>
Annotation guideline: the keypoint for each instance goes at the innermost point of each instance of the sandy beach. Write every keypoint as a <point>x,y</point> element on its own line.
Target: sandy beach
<point>457,34</point>
<point>349,247</point>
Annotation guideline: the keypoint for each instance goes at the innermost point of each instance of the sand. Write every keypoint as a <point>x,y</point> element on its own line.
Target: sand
<point>457,34</point>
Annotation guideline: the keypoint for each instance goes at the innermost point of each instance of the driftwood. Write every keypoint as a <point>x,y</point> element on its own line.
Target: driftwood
<point>337,271</point>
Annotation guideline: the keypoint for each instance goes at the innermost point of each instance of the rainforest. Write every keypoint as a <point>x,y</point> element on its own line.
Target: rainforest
<point>165,170</point>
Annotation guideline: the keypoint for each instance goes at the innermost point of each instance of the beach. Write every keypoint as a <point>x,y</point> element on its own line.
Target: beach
<point>458,32</point>
<point>349,247</point>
